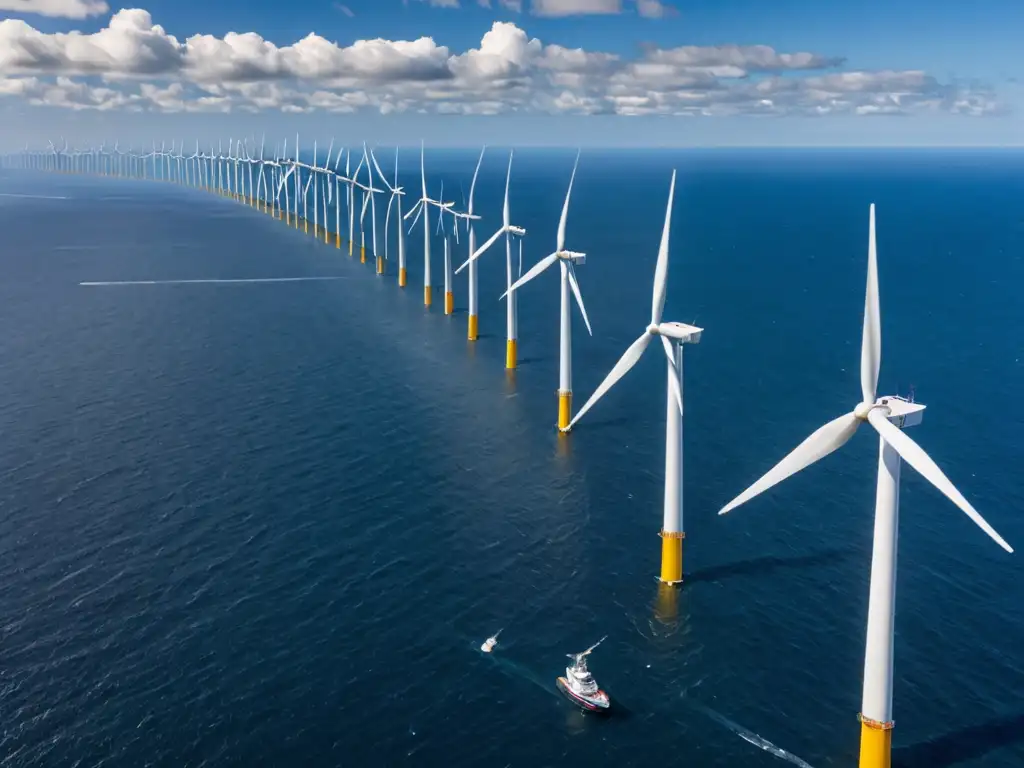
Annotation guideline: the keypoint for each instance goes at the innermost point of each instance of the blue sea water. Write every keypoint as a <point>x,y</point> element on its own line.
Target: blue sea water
<point>271,523</point>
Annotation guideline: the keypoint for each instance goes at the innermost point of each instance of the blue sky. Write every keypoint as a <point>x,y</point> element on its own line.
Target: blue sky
<point>686,72</point>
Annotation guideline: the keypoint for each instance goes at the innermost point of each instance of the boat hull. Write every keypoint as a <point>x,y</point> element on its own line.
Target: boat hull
<point>589,704</point>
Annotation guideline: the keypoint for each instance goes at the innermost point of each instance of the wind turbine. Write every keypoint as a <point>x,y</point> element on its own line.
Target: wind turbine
<point>888,416</point>
<point>396,196</point>
<point>351,202</point>
<point>421,208</point>
<point>507,229</point>
<point>298,174</point>
<point>327,197</point>
<point>473,329</point>
<point>567,263</point>
<point>305,190</point>
<point>422,204</point>
<point>673,336</point>
<point>373,210</point>
<point>337,201</point>
<point>449,295</point>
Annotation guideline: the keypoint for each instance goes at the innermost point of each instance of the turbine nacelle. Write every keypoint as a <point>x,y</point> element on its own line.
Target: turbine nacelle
<point>519,231</point>
<point>682,332</point>
<point>573,256</point>
<point>900,411</point>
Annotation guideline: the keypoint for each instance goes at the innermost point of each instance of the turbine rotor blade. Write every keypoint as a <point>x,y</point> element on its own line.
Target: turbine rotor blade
<point>661,270</point>
<point>915,456</point>
<point>674,381</point>
<point>871,342</point>
<point>472,187</point>
<point>571,274</point>
<point>535,270</point>
<point>505,216</point>
<point>565,207</point>
<point>820,444</point>
<point>628,360</point>
<point>480,251</point>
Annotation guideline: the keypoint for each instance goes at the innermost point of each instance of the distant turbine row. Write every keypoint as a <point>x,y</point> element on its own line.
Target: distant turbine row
<point>226,175</point>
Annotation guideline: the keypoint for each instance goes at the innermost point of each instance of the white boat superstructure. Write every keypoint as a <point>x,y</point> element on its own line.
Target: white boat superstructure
<point>579,684</point>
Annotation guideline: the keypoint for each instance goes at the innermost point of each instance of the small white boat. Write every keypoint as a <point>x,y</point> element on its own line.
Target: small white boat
<point>490,642</point>
<point>579,685</point>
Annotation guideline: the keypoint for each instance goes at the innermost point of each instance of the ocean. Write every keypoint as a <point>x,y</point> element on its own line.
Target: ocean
<point>270,523</point>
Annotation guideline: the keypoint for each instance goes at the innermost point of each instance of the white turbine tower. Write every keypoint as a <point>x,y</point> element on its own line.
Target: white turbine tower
<point>673,336</point>
<point>473,331</point>
<point>567,261</point>
<point>888,415</point>
<point>508,229</point>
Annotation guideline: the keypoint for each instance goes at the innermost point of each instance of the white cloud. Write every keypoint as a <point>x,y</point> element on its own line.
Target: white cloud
<point>68,9</point>
<point>508,5</point>
<point>654,9</point>
<point>135,64</point>
<point>574,7</point>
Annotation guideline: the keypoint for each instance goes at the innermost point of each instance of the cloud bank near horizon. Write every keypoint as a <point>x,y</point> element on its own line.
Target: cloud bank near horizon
<point>134,64</point>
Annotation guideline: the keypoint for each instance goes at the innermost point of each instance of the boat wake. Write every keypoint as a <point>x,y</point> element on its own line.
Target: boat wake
<point>513,669</point>
<point>750,737</point>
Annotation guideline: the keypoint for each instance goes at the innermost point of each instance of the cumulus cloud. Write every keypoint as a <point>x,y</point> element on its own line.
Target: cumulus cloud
<point>134,64</point>
<point>67,9</point>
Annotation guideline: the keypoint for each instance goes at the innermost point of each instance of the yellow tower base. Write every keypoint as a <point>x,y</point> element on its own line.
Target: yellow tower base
<point>875,743</point>
<point>426,296</point>
<point>380,265</point>
<point>327,236</point>
<point>449,302</point>
<point>305,226</point>
<point>510,354</point>
<point>564,409</point>
<point>288,218</point>
<point>401,277</point>
<point>349,247</point>
<point>337,241</point>
<point>362,254</point>
<point>672,556</point>
<point>473,327</point>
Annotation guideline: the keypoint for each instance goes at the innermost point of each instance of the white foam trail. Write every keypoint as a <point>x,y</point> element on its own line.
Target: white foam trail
<point>211,280</point>
<point>35,197</point>
<point>752,738</point>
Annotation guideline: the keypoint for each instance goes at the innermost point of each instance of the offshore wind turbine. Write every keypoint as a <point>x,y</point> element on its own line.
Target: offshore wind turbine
<point>473,328</point>
<point>507,229</point>
<point>337,201</point>
<point>567,261</point>
<point>362,211</point>
<point>396,197</point>
<point>373,210</point>
<point>422,208</point>
<point>327,186</point>
<point>673,336</point>
<point>449,295</point>
<point>888,416</point>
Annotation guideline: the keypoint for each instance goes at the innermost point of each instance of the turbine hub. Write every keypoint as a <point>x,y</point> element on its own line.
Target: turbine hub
<point>653,329</point>
<point>862,410</point>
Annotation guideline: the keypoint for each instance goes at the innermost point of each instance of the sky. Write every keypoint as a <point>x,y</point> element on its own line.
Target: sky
<point>594,73</point>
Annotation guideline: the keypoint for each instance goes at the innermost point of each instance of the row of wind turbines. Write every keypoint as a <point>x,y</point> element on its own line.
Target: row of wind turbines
<point>889,416</point>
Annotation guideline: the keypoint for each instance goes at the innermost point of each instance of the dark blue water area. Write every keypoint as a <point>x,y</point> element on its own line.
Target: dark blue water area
<point>271,523</point>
